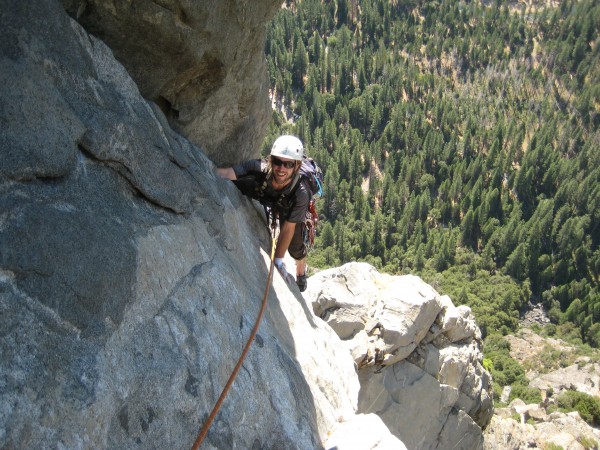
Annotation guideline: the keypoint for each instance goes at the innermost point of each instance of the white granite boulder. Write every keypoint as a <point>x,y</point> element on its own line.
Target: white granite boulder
<point>419,356</point>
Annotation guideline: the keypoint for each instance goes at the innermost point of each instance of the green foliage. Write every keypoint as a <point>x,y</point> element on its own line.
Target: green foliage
<point>488,364</point>
<point>505,370</point>
<point>508,372</point>
<point>587,406</point>
<point>588,442</point>
<point>525,393</point>
<point>494,299</point>
<point>446,150</point>
<point>551,359</point>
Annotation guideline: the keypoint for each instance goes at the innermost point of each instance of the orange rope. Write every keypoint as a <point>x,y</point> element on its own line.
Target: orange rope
<point>215,410</point>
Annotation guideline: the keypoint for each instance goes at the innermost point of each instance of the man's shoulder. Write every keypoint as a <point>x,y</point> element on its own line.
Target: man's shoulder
<point>302,192</point>
<point>303,186</point>
<point>250,166</point>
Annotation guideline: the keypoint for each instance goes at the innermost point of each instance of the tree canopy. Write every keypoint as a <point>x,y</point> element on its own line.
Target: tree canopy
<point>459,141</point>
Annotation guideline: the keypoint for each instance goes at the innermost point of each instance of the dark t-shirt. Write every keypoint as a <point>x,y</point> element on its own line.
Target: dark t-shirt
<point>301,195</point>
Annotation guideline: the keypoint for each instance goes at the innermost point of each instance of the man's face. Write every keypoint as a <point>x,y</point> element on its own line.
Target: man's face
<point>283,169</point>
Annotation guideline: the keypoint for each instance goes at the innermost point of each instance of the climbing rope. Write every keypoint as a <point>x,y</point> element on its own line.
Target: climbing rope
<point>238,366</point>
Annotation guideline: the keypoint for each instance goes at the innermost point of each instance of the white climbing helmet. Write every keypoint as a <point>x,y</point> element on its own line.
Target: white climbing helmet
<point>288,147</point>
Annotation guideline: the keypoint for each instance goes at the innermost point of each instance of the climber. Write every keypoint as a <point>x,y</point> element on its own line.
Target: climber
<point>276,183</point>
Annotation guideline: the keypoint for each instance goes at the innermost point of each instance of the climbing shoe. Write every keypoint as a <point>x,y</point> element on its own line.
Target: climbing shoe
<point>301,281</point>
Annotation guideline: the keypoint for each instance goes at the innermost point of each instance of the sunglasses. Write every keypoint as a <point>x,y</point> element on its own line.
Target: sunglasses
<point>278,162</point>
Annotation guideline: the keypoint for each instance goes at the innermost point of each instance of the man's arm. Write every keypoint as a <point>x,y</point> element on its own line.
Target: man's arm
<point>226,172</point>
<point>286,233</point>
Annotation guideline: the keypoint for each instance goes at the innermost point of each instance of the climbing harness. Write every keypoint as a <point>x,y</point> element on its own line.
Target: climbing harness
<point>274,228</point>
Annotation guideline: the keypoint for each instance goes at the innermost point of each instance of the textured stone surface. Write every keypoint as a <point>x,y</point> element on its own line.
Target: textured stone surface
<point>582,375</point>
<point>201,61</point>
<point>566,431</point>
<point>537,426</point>
<point>419,355</point>
<point>364,432</point>
<point>131,276</point>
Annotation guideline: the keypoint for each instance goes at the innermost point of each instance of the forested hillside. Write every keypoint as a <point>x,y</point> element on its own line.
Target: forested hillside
<point>460,142</point>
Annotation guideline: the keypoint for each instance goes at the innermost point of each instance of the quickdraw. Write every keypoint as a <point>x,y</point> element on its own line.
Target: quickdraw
<point>310,225</point>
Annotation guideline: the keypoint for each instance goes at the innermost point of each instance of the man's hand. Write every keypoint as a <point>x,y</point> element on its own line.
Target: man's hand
<point>283,271</point>
<point>226,172</point>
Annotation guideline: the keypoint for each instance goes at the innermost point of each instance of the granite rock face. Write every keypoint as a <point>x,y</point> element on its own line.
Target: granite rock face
<point>202,62</point>
<point>520,426</point>
<point>419,356</point>
<point>131,276</point>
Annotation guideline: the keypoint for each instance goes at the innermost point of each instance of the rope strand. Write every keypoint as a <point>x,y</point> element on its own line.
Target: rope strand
<point>263,305</point>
